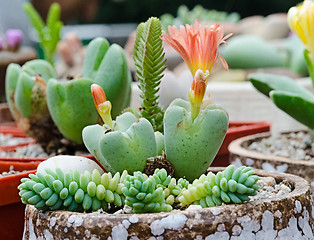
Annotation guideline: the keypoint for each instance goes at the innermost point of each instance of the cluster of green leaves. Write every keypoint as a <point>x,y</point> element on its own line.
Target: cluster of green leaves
<point>49,34</point>
<point>155,193</point>
<point>186,16</point>
<point>229,186</point>
<point>150,64</point>
<point>72,191</point>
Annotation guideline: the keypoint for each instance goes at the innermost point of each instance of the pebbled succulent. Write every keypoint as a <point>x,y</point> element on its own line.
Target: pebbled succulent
<point>229,186</point>
<point>72,191</point>
<point>144,194</point>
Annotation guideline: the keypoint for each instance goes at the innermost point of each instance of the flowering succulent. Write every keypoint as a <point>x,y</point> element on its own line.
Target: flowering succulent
<point>287,95</point>
<point>193,133</point>
<point>301,22</point>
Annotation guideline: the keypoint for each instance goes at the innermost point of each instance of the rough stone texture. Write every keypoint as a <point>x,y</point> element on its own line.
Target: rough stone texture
<point>240,155</point>
<point>289,216</point>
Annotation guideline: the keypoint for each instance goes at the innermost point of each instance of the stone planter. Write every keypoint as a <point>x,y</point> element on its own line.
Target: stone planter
<point>289,216</point>
<point>240,155</point>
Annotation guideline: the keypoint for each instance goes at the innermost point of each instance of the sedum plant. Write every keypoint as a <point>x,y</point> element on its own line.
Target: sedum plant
<point>72,191</point>
<point>49,34</point>
<point>49,109</point>
<point>286,94</point>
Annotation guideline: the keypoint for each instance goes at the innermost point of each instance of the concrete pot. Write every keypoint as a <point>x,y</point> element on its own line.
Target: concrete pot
<point>289,216</point>
<point>240,155</point>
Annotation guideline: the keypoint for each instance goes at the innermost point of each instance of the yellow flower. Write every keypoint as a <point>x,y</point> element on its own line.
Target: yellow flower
<point>301,22</point>
<point>102,105</point>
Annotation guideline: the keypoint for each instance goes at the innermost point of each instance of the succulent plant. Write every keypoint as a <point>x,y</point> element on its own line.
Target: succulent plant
<point>191,146</point>
<point>49,34</point>
<point>48,109</point>
<point>72,191</point>
<point>287,95</point>
<point>229,186</point>
<point>150,63</point>
<point>123,144</point>
<point>143,193</point>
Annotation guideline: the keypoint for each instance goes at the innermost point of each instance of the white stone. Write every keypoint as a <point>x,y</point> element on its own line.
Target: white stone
<point>221,227</point>
<point>173,222</point>
<point>48,235</point>
<point>52,221</point>
<point>66,163</point>
<point>218,236</point>
<point>119,233</point>
<point>78,221</point>
<point>215,211</point>
<point>298,206</point>
<point>126,223</point>
<point>236,230</point>
<point>133,219</point>
<point>249,162</point>
<point>194,207</point>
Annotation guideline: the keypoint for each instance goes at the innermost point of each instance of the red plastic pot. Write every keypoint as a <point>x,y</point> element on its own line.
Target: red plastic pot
<point>235,131</point>
<point>11,208</point>
<point>12,129</point>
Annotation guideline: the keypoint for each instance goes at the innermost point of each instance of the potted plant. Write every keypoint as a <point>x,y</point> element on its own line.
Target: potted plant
<point>150,171</point>
<point>294,100</point>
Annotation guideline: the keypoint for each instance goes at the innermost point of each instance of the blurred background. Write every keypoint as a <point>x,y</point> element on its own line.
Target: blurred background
<point>128,11</point>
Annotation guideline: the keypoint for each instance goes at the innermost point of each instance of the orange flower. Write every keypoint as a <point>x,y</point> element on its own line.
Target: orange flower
<point>102,105</point>
<point>197,45</point>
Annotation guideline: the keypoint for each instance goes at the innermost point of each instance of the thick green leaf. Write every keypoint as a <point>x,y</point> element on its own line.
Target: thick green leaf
<point>296,106</point>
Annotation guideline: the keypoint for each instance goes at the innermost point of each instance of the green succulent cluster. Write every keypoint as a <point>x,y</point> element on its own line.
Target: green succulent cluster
<point>72,191</point>
<point>229,186</point>
<point>144,194</point>
<point>186,16</point>
<point>155,193</point>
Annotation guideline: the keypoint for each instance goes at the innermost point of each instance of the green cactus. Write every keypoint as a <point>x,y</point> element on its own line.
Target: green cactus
<point>143,194</point>
<point>72,191</point>
<point>150,64</point>
<point>48,109</point>
<point>191,146</point>
<point>124,146</point>
<point>287,95</point>
<point>229,186</point>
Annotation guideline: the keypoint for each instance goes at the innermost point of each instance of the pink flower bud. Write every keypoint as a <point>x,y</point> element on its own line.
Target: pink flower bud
<point>14,39</point>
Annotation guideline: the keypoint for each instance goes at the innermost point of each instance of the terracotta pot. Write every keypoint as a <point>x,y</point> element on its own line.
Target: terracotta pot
<point>237,130</point>
<point>11,208</point>
<point>240,155</point>
<point>289,216</point>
